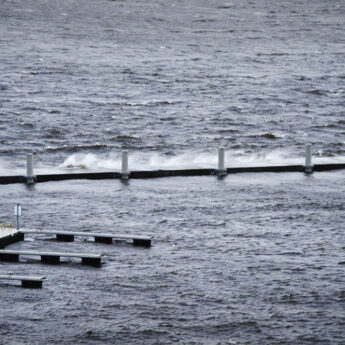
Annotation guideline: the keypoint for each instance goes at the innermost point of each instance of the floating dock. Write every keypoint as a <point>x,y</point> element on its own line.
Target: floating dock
<point>125,173</point>
<point>50,257</point>
<point>27,281</point>
<point>9,236</point>
<point>68,236</point>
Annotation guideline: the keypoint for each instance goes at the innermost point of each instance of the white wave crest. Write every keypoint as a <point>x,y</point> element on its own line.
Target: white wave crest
<point>190,160</point>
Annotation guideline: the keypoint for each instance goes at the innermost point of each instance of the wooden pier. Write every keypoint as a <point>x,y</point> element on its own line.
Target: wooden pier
<point>27,281</point>
<point>68,236</point>
<point>50,257</point>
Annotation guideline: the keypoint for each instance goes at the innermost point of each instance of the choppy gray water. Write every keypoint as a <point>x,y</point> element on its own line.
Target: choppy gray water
<point>251,259</point>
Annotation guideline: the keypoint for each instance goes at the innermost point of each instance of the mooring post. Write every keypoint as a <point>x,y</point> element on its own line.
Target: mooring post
<point>18,213</point>
<point>308,168</point>
<point>124,170</point>
<point>221,162</point>
<point>30,178</point>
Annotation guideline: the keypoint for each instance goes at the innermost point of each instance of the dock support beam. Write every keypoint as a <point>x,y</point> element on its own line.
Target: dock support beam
<point>100,239</point>
<point>9,257</point>
<point>124,169</point>
<point>308,168</point>
<point>96,262</point>
<point>50,259</point>
<point>221,162</point>
<point>30,177</point>
<point>32,284</point>
<point>64,238</point>
<point>142,243</point>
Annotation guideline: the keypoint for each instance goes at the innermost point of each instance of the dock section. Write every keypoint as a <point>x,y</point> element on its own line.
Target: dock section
<point>9,236</point>
<point>50,257</point>
<point>68,236</point>
<point>27,281</point>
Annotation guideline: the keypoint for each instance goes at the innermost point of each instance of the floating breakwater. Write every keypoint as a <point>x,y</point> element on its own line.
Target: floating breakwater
<point>126,173</point>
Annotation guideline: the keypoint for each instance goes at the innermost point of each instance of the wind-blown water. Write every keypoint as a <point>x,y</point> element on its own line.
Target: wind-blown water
<point>251,259</point>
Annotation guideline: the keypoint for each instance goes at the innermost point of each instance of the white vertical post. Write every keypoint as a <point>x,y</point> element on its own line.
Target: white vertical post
<point>18,213</point>
<point>308,168</point>
<point>221,162</point>
<point>124,170</point>
<point>30,168</point>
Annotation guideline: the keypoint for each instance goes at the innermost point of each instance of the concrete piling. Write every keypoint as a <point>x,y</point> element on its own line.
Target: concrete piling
<point>221,162</point>
<point>30,177</point>
<point>124,169</point>
<point>308,167</point>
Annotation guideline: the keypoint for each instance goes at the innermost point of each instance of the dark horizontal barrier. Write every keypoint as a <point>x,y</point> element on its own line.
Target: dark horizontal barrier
<point>12,179</point>
<point>170,173</point>
<point>78,176</point>
<point>327,167</point>
<point>167,173</point>
<point>281,168</point>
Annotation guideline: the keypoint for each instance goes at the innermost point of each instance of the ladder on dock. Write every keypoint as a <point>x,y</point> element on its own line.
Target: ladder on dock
<point>50,257</point>
<point>27,281</point>
<point>68,236</point>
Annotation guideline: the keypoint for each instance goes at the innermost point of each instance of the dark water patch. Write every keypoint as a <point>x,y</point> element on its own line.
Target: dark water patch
<point>317,92</point>
<point>28,125</point>
<point>204,20</point>
<point>184,80</point>
<point>150,103</point>
<point>210,31</point>
<point>168,118</point>
<point>54,111</point>
<point>156,19</point>
<point>328,125</point>
<point>291,253</point>
<point>128,71</point>
<point>256,38</point>
<point>32,109</point>
<point>126,138</point>
<point>51,71</point>
<point>225,6</point>
<point>271,136</point>
<point>302,78</point>
<point>229,131</point>
<point>76,148</point>
<point>54,133</point>
<point>273,54</point>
